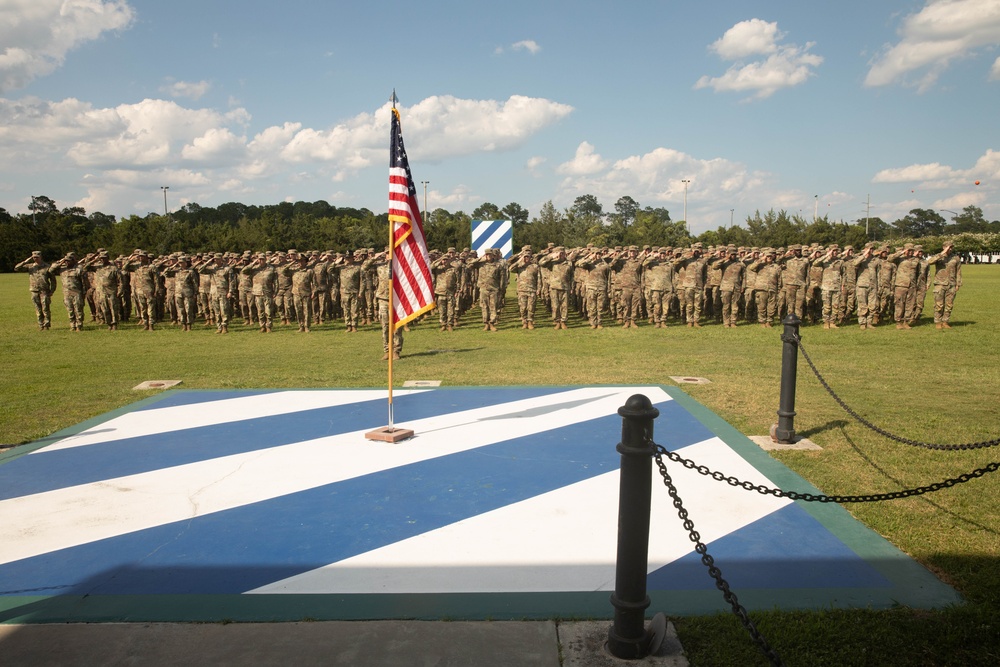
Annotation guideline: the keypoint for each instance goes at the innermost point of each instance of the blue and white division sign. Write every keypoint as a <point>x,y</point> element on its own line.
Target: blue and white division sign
<point>493,234</point>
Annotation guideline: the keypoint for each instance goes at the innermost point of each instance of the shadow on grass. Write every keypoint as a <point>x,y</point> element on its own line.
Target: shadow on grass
<point>432,353</point>
<point>903,485</point>
<point>829,426</point>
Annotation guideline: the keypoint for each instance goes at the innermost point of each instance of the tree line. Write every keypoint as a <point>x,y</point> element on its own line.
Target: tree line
<point>319,225</point>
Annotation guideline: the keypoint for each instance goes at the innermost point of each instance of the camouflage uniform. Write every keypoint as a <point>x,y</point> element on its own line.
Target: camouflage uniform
<point>528,276</point>
<point>659,277</point>
<point>628,269</point>
<point>904,285</point>
<point>560,269</point>
<point>72,276</point>
<point>947,281</point>
<point>866,270</point>
<point>490,283</point>
<point>350,288</point>
<point>831,284</point>
<point>596,272</point>
<point>186,283</point>
<point>223,279</point>
<point>303,289</point>
<point>41,284</point>
<point>144,284</point>
<point>695,274</point>
<point>381,272</point>
<point>447,273</point>
<point>731,286</point>
<point>766,286</point>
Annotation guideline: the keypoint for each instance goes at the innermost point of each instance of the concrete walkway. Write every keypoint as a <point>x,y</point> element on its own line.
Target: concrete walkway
<point>416,643</point>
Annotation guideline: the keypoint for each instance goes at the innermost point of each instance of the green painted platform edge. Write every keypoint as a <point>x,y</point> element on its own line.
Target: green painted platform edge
<point>432,606</point>
<point>891,562</point>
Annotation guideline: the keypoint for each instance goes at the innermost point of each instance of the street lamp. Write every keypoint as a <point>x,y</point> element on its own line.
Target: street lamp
<point>816,208</point>
<point>165,188</point>
<point>731,211</point>
<point>425,199</point>
<point>685,181</point>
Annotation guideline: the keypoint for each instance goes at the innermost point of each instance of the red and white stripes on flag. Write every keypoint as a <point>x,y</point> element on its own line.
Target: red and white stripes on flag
<point>413,285</point>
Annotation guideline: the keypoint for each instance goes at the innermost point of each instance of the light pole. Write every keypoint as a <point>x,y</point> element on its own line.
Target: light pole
<point>165,188</point>
<point>685,181</point>
<point>425,199</point>
<point>868,213</point>
<point>816,208</point>
<point>731,211</point>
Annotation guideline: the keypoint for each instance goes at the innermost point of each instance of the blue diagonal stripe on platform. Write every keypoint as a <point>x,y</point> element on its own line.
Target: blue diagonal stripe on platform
<point>784,561</point>
<point>237,550</point>
<point>129,456</point>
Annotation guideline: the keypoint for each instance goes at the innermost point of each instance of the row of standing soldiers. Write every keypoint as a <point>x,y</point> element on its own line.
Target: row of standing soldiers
<point>725,283</point>
<point>261,288</point>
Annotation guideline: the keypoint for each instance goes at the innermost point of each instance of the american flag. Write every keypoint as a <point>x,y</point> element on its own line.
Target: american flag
<point>412,283</point>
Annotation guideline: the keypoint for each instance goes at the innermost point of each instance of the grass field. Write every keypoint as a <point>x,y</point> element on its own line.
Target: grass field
<point>925,384</point>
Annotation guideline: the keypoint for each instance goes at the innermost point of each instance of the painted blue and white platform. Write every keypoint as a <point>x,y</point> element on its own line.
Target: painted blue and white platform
<point>272,505</point>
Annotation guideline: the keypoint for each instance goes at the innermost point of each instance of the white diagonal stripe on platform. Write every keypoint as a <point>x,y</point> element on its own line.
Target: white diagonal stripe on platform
<point>209,413</point>
<point>43,522</point>
<point>563,540</point>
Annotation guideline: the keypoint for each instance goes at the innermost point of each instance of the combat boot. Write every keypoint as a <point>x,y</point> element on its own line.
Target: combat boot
<point>493,327</point>
<point>531,324</point>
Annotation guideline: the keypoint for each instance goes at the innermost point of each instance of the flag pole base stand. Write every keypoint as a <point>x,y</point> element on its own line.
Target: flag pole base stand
<point>389,434</point>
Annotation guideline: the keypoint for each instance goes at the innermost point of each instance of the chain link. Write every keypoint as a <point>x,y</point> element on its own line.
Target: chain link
<point>728,595</point>
<point>882,431</point>
<point>820,498</point>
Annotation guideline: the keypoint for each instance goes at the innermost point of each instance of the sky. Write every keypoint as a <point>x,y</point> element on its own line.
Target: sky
<point>711,110</point>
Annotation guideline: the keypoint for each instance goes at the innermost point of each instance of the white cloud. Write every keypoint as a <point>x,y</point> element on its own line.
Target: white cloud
<point>786,65</point>
<point>748,38</point>
<point>933,38</point>
<point>187,89</point>
<point>147,132</point>
<point>935,176</point>
<point>36,35</point>
<point>995,70</point>
<point>216,145</point>
<point>657,179</point>
<point>586,161</point>
<point>529,45</point>
<point>131,149</point>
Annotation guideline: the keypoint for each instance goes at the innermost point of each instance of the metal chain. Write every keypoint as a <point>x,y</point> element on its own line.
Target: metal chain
<point>709,562</point>
<point>882,431</point>
<point>820,498</point>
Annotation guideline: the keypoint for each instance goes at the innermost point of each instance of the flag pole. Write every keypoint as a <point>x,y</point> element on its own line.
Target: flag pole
<point>392,292</point>
<point>392,308</point>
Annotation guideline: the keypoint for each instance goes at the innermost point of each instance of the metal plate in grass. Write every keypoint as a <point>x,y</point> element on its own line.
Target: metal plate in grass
<point>156,384</point>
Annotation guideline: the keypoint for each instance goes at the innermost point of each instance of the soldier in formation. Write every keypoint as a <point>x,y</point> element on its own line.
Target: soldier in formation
<point>628,285</point>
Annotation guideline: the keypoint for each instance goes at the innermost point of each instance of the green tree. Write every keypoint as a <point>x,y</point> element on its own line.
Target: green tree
<point>919,222</point>
<point>487,211</point>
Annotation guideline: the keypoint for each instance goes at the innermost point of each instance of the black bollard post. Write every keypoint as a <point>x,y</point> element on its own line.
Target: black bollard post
<point>784,431</point>
<point>628,638</point>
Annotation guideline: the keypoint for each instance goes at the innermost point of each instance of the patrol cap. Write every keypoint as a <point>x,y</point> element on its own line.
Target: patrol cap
<point>634,248</point>
<point>907,246</point>
<point>795,246</point>
<point>558,248</point>
<point>871,244</point>
<point>526,248</point>
<point>834,246</point>
<point>360,252</point>
<point>70,255</point>
<point>918,247</point>
<point>451,250</point>
<point>696,245</point>
<point>731,249</point>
